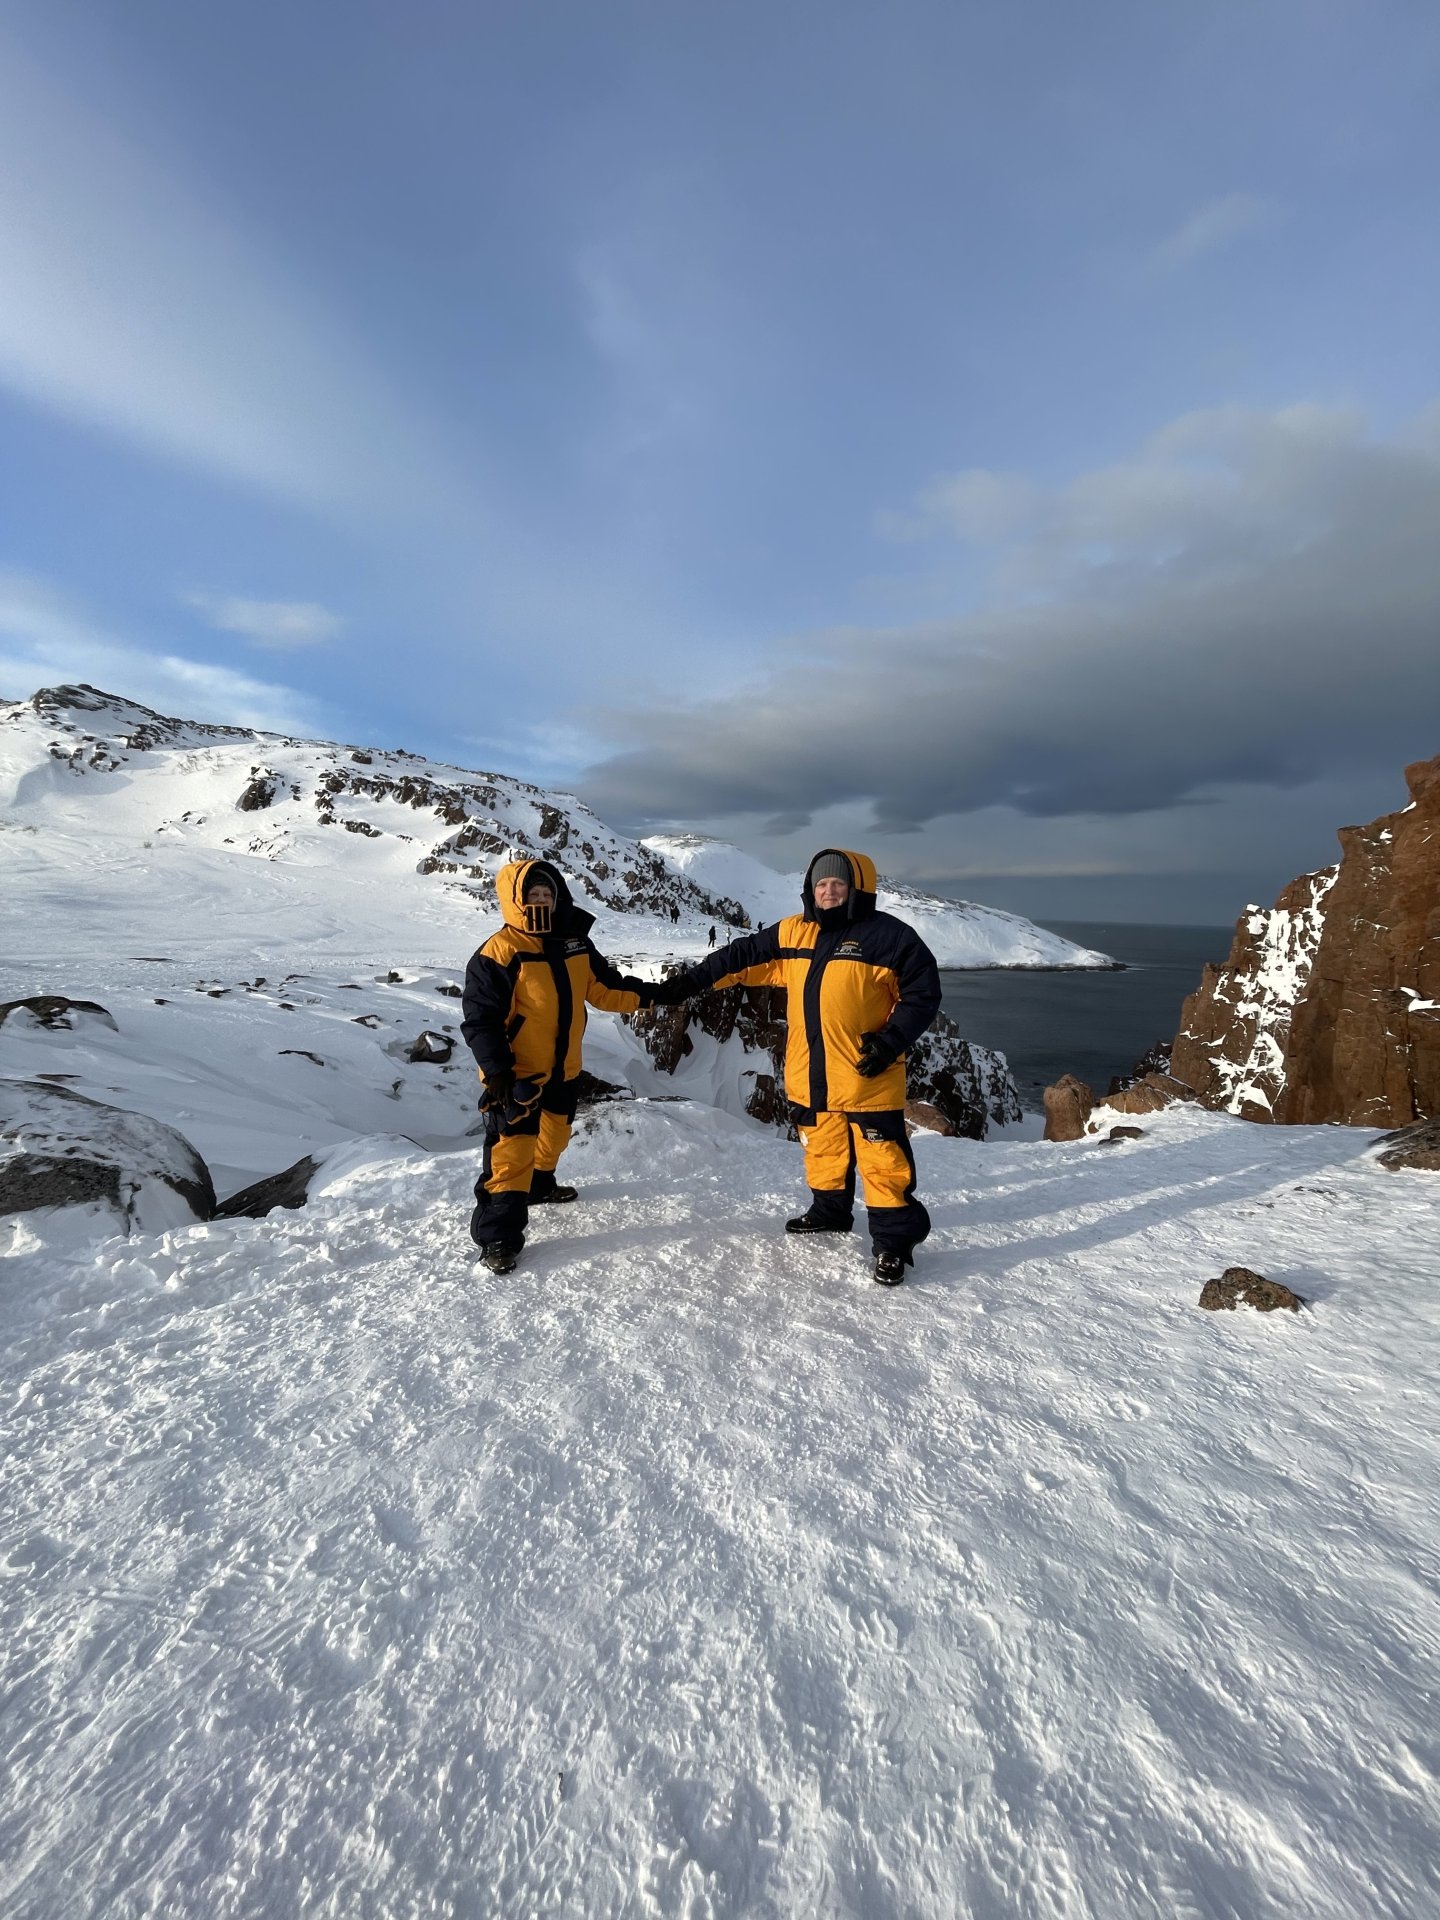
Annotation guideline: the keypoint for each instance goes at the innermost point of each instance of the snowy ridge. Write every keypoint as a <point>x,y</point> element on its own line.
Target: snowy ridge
<point>335,850</point>
<point>959,933</point>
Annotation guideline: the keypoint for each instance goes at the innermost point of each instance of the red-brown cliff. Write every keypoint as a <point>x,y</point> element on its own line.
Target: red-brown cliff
<point>1328,1007</point>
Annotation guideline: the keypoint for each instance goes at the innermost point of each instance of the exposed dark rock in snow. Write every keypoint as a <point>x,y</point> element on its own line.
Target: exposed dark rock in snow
<point>59,1148</point>
<point>430,1049</point>
<point>920,1116</point>
<point>1239,1285</point>
<point>969,1085</point>
<point>1117,1134</point>
<point>1328,1007</point>
<point>289,1188</point>
<point>1415,1146</point>
<point>1154,1060</point>
<point>592,1091</point>
<point>260,793</point>
<point>57,1011</point>
<point>1067,1108</point>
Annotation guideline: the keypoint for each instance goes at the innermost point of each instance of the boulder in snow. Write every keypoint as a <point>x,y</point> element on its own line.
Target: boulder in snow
<point>1417,1147</point>
<point>290,1188</point>
<point>57,1011</point>
<point>1067,1107</point>
<point>1149,1094</point>
<point>62,1149</point>
<point>1241,1284</point>
<point>430,1049</point>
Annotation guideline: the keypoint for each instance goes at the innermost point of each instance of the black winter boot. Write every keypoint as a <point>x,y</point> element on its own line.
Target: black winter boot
<point>808,1223</point>
<point>545,1189</point>
<point>499,1259</point>
<point>889,1269</point>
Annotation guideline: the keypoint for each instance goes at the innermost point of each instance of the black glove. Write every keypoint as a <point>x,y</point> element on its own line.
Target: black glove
<point>498,1089</point>
<point>524,1098</point>
<point>876,1054</point>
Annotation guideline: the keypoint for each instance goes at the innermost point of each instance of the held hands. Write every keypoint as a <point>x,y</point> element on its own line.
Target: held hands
<point>671,992</point>
<point>876,1054</point>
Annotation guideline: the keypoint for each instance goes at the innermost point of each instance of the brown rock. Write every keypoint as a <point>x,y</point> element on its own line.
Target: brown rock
<point>1328,1008</point>
<point>1149,1095</point>
<point>920,1114</point>
<point>430,1049</point>
<point>1239,1284</point>
<point>1124,1133</point>
<point>1067,1108</point>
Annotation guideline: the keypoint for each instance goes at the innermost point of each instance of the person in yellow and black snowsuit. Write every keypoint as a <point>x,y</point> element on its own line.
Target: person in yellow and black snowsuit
<point>526,991</point>
<point>861,988</point>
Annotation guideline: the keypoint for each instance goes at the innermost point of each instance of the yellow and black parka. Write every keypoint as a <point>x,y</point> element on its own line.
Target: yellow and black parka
<point>847,971</point>
<point>527,986</point>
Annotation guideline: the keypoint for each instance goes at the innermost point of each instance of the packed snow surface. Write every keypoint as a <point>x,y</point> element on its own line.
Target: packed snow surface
<point>684,1571</point>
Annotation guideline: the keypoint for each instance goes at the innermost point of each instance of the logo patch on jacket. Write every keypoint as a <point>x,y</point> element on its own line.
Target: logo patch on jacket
<point>574,946</point>
<point>849,950</point>
<point>871,1133</point>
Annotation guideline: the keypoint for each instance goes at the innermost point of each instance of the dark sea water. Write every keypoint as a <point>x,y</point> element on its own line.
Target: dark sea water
<point>1089,1024</point>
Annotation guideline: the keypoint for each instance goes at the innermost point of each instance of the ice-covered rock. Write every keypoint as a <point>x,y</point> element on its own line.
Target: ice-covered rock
<point>63,1149</point>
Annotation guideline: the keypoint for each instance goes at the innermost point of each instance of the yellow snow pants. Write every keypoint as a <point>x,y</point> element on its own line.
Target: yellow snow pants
<point>837,1145</point>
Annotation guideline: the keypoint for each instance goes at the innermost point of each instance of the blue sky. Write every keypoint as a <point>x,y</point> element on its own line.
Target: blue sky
<point>1011,428</point>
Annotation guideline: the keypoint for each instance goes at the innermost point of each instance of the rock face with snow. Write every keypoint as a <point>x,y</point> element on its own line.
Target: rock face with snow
<point>970,1087</point>
<point>1328,1008</point>
<point>62,1149</point>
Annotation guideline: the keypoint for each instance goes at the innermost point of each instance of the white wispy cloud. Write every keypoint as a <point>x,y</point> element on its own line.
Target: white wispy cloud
<point>1214,225</point>
<point>47,641</point>
<point>134,304</point>
<point>269,623</point>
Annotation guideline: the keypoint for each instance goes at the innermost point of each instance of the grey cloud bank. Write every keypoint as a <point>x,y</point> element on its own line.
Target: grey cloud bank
<point>1252,601</point>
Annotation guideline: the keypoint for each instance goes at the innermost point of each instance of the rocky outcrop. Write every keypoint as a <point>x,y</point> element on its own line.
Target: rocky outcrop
<point>1417,1147</point>
<point>1067,1107</point>
<point>290,1188</point>
<point>57,1011</point>
<point>968,1086</point>
<point>1235,1028</point>
<point>1328,1008</point>
<point>61,1149</point>
<point>1240,1284</point>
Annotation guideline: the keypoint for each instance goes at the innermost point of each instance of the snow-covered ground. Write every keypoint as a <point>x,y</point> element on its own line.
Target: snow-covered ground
<point>685,1572</point>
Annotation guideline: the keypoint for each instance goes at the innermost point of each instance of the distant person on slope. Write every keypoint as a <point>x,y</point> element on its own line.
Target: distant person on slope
<point>524,1002</point>
<point>862,986</point>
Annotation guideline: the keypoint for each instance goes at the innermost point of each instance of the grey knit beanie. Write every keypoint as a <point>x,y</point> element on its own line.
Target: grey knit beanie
<point>831,866</point>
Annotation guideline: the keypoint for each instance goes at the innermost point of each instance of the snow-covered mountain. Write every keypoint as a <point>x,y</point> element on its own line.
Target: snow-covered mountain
<point>960,933</point>
<point>247,844</point>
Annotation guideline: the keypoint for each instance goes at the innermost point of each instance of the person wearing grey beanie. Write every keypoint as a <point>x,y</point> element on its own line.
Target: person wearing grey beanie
<point>861,987</point>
